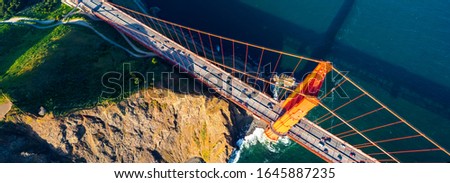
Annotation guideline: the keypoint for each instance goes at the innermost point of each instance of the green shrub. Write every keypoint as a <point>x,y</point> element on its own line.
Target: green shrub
<point>12,7</point>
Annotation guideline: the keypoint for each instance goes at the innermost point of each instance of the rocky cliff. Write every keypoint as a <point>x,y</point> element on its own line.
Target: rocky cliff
<point>157,125</point>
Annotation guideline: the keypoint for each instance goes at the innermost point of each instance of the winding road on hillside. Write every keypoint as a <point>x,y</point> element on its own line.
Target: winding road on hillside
<point>46,24</point>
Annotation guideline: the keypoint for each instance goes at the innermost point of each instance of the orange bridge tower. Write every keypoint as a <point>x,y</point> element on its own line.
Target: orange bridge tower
<point>300,102</point>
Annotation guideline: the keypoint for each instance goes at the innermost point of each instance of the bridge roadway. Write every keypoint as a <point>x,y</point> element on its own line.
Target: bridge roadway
<point>314,138</point>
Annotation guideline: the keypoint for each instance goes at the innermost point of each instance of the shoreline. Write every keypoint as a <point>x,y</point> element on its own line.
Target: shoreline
<point>255,124</point>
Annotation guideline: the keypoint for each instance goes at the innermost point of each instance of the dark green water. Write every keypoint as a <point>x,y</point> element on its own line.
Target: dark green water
<point>398,50</point>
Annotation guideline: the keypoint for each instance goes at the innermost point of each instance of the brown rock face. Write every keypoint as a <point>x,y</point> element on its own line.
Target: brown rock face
<point>4,108</point>
<point>147,127</point>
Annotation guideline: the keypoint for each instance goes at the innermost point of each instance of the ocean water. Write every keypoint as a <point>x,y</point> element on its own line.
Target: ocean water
<point>398,50</point>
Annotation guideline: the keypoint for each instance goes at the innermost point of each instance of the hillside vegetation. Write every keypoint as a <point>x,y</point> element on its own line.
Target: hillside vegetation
<point>61,68</point>
<point>9,8</point>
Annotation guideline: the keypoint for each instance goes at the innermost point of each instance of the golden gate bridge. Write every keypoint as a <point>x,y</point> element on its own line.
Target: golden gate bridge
<point>308,100</point>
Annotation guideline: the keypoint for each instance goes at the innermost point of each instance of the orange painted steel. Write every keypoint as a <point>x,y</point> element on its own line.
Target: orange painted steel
<point>169,32</point>
<point>185,40</point>
<point>211,46</point>
<point>244,73</point>
<point>368,130</point>
<point>408,151</point>
<point>334,110</point>
<point>221,49</point>
<point>311,150</point>
<point>254,77</point>
<point>310,86</point>
<point>148,22</point>
<point>224,38</point>
<point>332,90</point>
<point>297,106</point>
<point>275,68</point>
<point>293,72</point>
<point>251,76</point>
<point>357,117</point>
<point>393,113</point>
<point>233,58</point>
<point>203,47</point>
<point>296,67</point>
<point>193,42</point>
<point>259,66</point>
<point>246,56</point>
<point>361,134</point>
<point>364,145</point>
<point>178,37</point>
<point>308,59</point>
<point>290,118</point>
<point>245,107</point>
<point>162,29</point>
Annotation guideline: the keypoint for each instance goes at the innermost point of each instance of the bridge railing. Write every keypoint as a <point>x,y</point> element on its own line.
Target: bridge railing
<point>345,109</point>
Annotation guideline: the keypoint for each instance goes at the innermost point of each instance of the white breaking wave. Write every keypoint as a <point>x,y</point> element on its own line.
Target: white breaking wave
<point>257,137</point>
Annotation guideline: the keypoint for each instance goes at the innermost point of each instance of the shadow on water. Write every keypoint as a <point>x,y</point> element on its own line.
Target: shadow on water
<point>240,21</point>
<point>399,81</point>
<point>237,20</point>
<point>20,144</point>
<point>329,37</point>
<point>223,21</point>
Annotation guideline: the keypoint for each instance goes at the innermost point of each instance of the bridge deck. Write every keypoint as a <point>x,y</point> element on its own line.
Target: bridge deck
<point>307,134</point>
